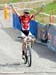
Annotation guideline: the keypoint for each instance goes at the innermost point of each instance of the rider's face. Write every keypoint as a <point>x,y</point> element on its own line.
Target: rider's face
<point>25,14</point>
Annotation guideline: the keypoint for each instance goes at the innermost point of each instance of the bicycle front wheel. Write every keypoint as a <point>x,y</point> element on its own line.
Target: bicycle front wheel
<point>29,57</point>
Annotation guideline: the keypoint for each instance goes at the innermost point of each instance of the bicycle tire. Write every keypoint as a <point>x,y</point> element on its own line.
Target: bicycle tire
<point>29,57</point>
<point>25,59</point>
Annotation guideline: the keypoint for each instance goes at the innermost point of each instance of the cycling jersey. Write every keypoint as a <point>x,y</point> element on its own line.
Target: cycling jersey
<point>25,22</point>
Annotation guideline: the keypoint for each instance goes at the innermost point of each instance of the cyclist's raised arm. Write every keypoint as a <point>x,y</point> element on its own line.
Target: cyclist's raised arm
<point>37,13</point>
<point>41,8</point>
<point>15,11</point>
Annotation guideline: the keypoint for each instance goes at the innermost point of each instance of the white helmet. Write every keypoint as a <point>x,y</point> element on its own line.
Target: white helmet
<point>26,11</point>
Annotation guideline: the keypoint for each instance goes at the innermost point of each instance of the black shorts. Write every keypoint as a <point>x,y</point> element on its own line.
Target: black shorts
<point>26,32</point>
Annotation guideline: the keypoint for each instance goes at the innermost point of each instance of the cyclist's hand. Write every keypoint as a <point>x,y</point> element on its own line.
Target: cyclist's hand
<point>11,5</point>
<point>42,5</point>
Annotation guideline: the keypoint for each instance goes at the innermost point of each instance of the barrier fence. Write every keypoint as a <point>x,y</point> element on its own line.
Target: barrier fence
<point>52,38</point>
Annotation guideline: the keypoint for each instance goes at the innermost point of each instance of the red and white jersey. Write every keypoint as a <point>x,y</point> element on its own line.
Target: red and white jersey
<point>25,22</point>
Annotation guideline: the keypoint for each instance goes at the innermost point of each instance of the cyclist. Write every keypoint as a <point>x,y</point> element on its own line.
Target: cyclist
<point>25,22</point>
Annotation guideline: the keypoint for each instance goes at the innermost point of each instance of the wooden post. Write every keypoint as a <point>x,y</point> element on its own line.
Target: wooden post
<point>52,17</point>
<point>43,19</point>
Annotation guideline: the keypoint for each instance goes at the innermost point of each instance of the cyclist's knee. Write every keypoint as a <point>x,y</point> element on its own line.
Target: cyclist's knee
<point>32,42</point>
<point>23,44</point>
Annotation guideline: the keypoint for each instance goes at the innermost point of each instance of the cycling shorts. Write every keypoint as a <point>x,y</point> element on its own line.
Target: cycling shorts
<point>26,32</point>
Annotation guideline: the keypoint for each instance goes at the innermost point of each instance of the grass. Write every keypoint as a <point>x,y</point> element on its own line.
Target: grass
<point>13,1</point>
<point>52,6</point>
<point>18,0</point>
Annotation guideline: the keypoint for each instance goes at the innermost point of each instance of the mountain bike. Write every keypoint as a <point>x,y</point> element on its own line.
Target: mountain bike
<point>27,55</point>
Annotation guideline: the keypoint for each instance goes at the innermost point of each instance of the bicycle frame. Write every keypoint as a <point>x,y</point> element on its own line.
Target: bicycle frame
<point>28,43</point>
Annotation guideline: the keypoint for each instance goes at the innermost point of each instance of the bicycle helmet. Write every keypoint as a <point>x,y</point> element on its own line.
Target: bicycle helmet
<point>26,11</point>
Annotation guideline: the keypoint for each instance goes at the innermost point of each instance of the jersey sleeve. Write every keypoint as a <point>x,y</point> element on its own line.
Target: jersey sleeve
<point>33,16</point>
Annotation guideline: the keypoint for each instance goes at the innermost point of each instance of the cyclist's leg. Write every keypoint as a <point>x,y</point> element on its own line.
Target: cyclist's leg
<point>32,39</point>
<point>24,34</point>
<point>23,43</point>
<point>32,42</point>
